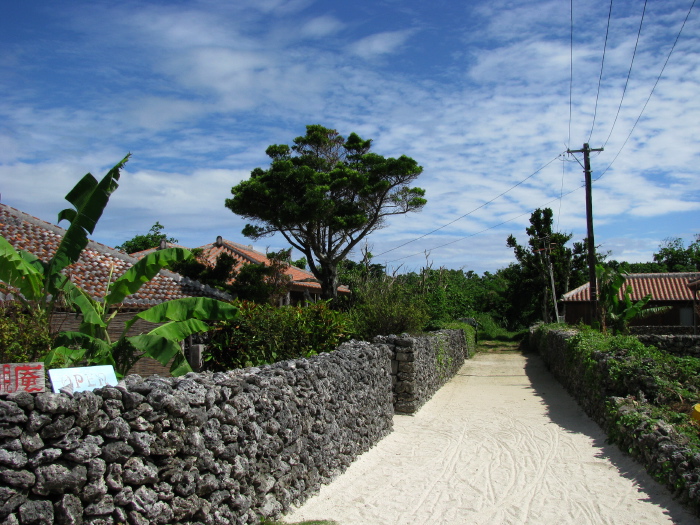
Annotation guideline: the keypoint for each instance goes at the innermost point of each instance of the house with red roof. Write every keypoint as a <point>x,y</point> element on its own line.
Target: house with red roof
<point>676,290</point>
<point>92,272</point>
<point>303,286</point>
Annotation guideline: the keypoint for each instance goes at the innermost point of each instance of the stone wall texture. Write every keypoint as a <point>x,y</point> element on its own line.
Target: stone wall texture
<point>203,448</point>
<point>627,420</point>
<point>680,345</point>
<point>420,366</point>
<point>209,448</point>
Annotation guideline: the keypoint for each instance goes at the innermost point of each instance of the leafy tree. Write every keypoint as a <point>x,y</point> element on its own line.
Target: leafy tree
<point>673,256</point>
<point>264,283</point>
<point>197,268</point>
<point>152,239</point>
<point>544,256</point>
<point>324,195</point>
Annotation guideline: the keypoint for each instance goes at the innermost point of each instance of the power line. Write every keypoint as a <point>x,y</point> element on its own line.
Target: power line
<point>571,67</point>
<point>485,229</point>
<point>600,77</point>
<point>472,211</point>
<point>629,73</point>
<point>652,90</point>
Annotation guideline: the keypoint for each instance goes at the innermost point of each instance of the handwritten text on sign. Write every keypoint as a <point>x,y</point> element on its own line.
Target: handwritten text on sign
<point>22,377</point>
<point>81,379</point>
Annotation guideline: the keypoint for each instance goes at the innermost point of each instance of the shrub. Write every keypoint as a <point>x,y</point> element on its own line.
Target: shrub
<point>382,306</point>
<point>264,334</point>
<point>24,334</point>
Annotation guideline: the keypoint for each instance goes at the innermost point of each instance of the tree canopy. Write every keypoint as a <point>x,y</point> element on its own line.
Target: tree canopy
<point>152,239</point>
<point>325,194</point>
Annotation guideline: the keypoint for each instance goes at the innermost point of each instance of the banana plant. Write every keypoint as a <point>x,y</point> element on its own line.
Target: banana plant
<point>41,284</point>
<point>176,320</point>
<point>616,313</point>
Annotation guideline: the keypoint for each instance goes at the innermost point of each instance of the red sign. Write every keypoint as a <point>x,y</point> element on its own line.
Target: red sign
<point>22,377</point>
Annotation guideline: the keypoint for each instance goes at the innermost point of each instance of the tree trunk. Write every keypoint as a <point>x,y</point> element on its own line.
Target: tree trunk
<point>329,281</point>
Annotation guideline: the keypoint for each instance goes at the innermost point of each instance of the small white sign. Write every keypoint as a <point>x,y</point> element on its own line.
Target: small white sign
<point>81,379</point>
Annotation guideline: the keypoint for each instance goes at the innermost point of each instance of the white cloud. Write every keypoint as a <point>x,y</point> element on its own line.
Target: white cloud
<point>321,26</point>
<point>380,43</point>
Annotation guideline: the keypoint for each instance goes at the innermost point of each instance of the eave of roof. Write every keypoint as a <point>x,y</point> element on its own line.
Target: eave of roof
<point>661,286</point>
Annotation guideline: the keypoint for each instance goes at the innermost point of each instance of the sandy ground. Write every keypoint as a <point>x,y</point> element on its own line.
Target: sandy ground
<point>502,443</point>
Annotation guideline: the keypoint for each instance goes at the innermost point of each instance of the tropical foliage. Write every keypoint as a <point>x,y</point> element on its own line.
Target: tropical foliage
<point>264,334</point>
<point>40,285</point>
<point>616,312</point>
<point>324,195</point>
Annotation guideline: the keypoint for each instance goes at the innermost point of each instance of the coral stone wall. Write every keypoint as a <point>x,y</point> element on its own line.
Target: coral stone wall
<point>627,421</point>
<point>216,448</point>
<point>680,345</point>
<point>421,365</point>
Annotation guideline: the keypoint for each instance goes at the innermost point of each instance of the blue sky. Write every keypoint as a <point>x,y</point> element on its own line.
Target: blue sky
<point>480,93</point>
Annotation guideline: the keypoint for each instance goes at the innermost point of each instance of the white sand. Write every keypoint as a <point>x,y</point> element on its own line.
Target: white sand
<point>502,443</point>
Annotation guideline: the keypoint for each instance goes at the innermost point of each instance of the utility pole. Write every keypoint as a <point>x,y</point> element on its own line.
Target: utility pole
<point>589,220</point>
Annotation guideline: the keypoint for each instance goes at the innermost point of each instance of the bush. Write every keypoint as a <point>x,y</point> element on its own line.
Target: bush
<point>382,306</point>
<point>264,334</point>
<point>24,335</point>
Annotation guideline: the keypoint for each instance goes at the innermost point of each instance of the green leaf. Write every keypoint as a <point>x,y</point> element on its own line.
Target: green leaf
<point>180,366</point>
<point>63,356</point>
<point>143,271</point>
<point>202,308</point>
<point>158,347</point>
<point>89,199</point>
<point>17,272</point>
<point>179,330</point>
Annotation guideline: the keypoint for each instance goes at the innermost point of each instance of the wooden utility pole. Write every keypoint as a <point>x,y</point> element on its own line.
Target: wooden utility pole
<point>589,220</point>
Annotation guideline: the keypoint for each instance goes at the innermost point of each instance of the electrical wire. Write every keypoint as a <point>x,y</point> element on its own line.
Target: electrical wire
<point>485,229</point>
<point>600,77</point>
<point>571,68</point>
<point>652,91</point>
<point>629,73</point>
<point>472,211</point>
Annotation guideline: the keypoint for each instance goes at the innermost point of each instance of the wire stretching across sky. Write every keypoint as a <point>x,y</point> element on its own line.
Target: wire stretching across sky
<point>472,211</point>
<point>658,78</point>
<point>485,229</point>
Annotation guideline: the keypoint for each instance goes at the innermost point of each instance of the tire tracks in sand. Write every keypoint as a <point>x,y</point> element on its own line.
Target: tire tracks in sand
<point>501,443</point>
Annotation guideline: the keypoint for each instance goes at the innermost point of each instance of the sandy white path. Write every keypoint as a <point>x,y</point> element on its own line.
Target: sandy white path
<point>502,443</point>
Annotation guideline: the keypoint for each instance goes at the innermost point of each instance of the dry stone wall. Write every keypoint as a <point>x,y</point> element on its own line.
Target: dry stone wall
<point>627,420</point>
<point>421,365</point>
<point>220,448</point>
<point>680,345</point>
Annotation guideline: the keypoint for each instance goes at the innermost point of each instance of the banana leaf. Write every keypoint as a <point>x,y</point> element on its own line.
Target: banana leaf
<point>158,347</point>
<point>180,330</point>
<point>202,308</point>
<point>143,271</point>
<point>17,272</point>
<point>94,349</point>
<point>89,198</point>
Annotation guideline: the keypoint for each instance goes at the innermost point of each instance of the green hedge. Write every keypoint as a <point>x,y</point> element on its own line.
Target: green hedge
<point>264,334</point>
<point>640,396</point>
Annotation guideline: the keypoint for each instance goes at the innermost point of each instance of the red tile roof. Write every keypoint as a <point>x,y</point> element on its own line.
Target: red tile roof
<point>92,271</point>
<point>245,254</point>
<point>661,286</point>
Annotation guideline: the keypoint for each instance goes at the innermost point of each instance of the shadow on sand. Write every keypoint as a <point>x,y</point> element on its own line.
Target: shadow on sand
<point>559,403</point>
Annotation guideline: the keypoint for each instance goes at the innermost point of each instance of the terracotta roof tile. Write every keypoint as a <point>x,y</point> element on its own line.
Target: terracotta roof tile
<point>245,254</point>
<point>92,271</point>
<point>661,286</point>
